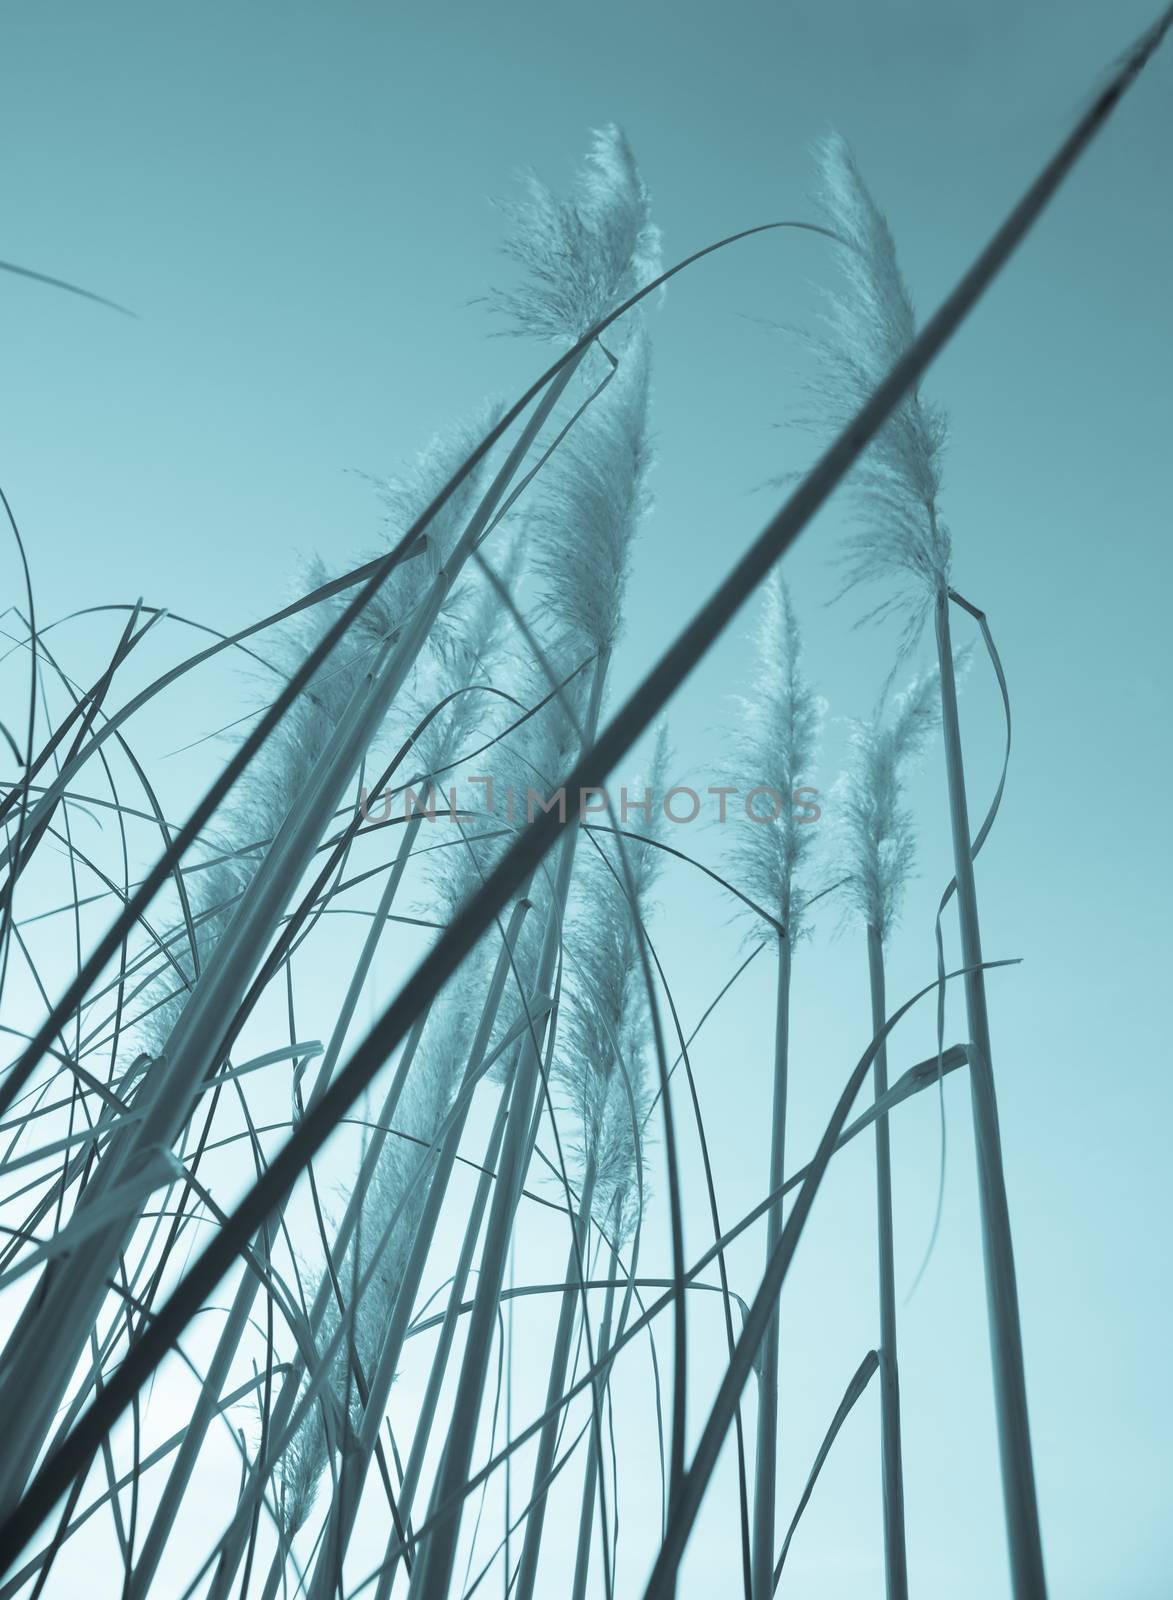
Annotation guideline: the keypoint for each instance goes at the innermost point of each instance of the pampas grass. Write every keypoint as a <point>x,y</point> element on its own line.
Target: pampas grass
<point>903,544</point>
<point>878,842</point>
<point>111,1299</point>
<point>876,831</point>
<point>583,255</point>
<point>775,752</point>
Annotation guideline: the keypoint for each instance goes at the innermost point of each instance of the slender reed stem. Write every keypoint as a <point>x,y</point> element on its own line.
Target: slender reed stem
<point>766,1474</point>
<point>594,1463</point>
<point>1028,1581</point>
<point>892,1469</point>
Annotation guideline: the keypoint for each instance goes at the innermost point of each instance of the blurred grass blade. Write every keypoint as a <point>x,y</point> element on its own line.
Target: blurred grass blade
<point>69,288</point>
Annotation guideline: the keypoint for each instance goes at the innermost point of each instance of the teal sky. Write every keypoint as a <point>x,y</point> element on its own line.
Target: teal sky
<point>294,199</point>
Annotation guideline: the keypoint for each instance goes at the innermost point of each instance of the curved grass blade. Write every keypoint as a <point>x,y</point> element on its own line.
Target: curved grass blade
<point>860,1380</point>
<point>69,288</point>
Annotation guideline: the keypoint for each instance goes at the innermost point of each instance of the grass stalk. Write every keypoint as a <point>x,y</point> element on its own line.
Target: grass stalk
<point>766,1473</point>
<point>1028,1581</point>
<point>682,1515</point>
<point>594,1463</point>
<point>892,1469</point>
<point>778,743</point>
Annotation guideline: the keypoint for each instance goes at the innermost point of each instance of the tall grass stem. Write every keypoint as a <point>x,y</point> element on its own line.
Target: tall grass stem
<point>1020,1499</point>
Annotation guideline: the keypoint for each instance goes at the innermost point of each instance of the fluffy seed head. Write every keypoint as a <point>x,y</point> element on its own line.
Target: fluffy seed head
<point>602,1051</point>
<point>775,748</point>
<point>876,833</point>
<point>584,255</point>
<point>593,497</point>
<point>868,324</point>
<point>282,767</point>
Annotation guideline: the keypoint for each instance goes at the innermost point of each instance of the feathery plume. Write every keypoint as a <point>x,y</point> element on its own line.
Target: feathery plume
<point>594,496</point>
<point>775,750</point>
<point>584,255</point>
<point>601,1060</point>
<point>283,766</point>
<point>868,324</point>
<point>903,542</point>
<point>875,828</point>
<point>583,523</point>
<point>530,767</point>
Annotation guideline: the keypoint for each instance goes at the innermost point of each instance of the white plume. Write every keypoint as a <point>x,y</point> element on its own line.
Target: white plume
<point>584,255</point>
<point>775,749</point>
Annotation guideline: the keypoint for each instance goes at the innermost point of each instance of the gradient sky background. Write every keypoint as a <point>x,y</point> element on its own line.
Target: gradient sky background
<point>293,198</point>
